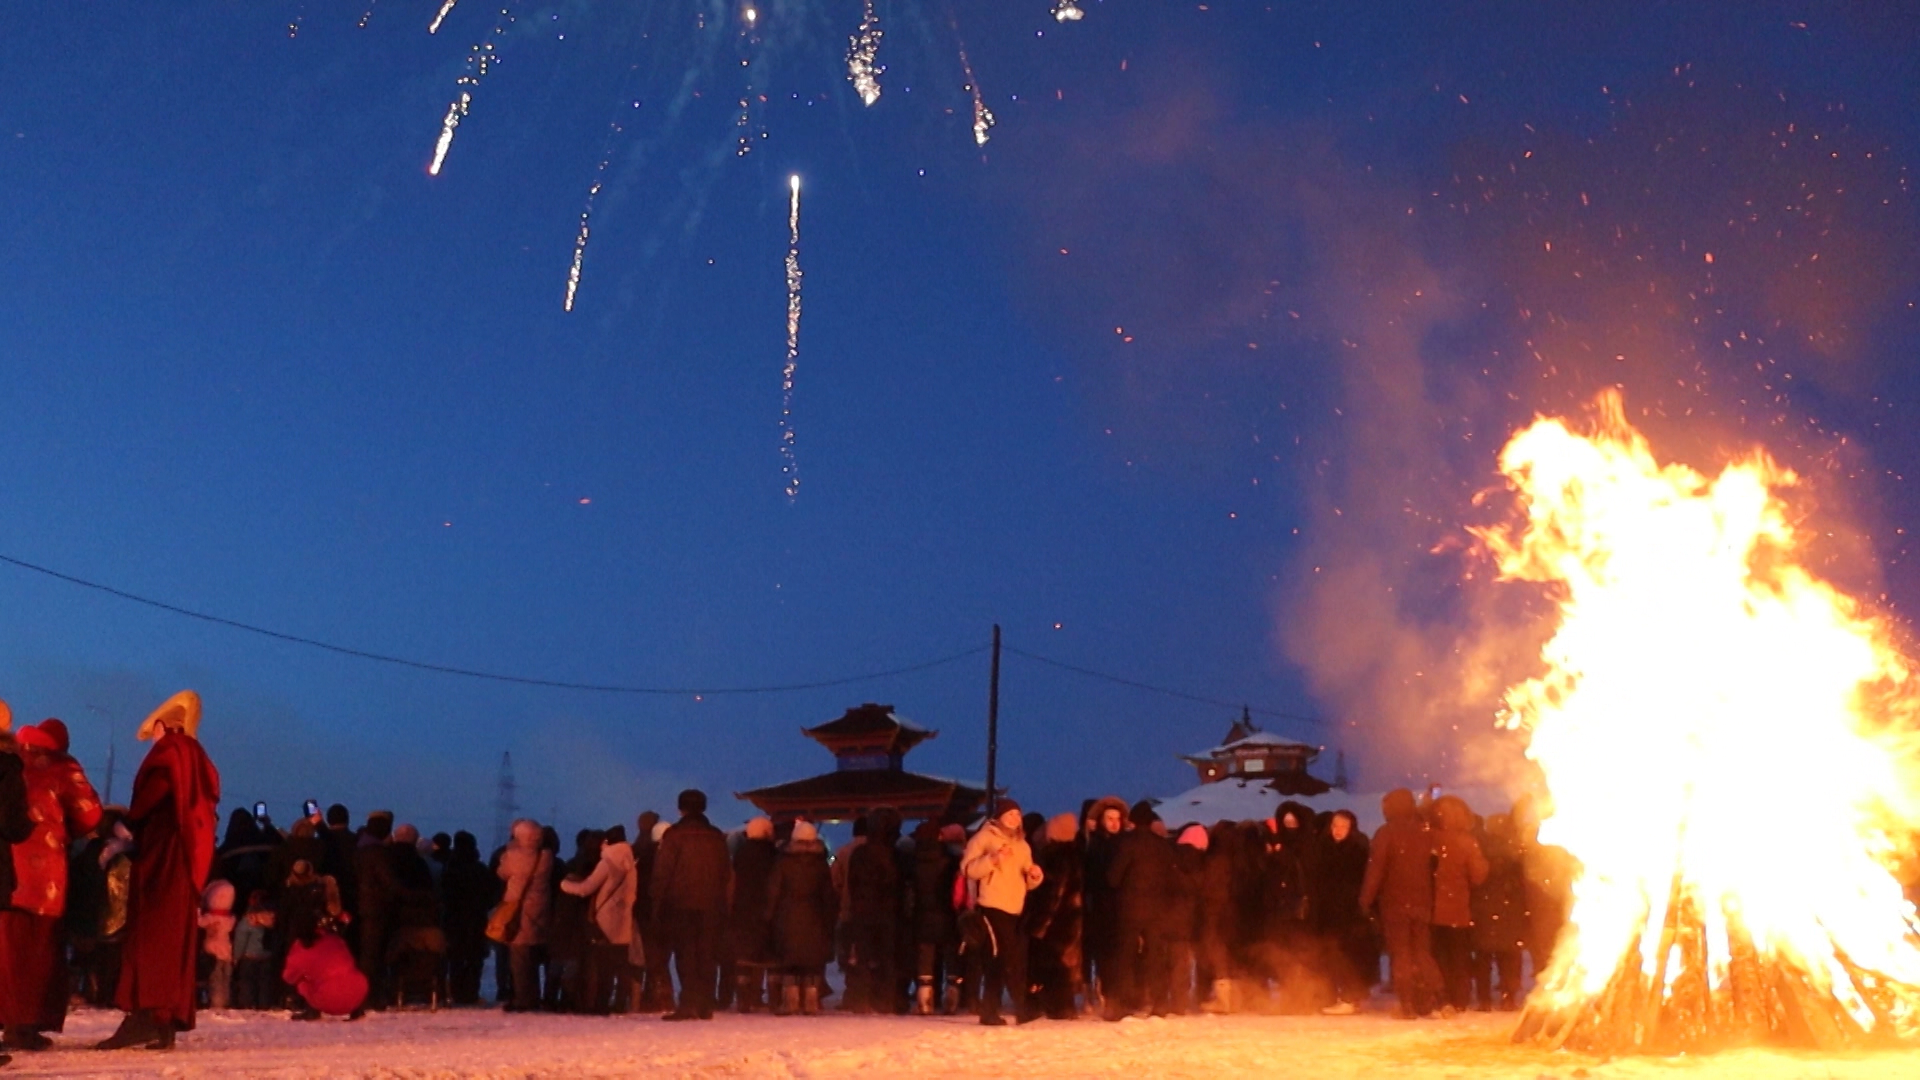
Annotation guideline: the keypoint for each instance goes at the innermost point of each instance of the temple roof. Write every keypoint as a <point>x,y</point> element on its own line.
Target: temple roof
<point>1252,739</point>
<point>869,727</point>
<point>846,794</point>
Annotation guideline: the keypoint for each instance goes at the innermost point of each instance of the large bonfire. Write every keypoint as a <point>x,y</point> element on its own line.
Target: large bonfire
<point>1726,740</point>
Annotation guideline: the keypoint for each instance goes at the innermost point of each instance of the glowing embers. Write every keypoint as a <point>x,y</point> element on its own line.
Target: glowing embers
<point>1727,743</point>
<point>479,63</point>
<point>789,463</point>
<point>863,57</point>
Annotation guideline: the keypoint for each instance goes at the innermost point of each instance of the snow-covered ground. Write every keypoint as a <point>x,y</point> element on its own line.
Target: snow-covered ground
<point>488,1043</point>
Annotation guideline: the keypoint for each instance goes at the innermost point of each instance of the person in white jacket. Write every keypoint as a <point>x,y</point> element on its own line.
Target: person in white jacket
<point>999,866</point>
<point>613,885</point>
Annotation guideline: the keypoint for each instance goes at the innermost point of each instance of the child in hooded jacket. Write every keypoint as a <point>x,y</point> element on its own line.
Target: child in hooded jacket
<point>216,940</point>
<point>253,954</point>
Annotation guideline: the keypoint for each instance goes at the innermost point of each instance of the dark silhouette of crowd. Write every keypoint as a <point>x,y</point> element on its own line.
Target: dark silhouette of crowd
<point>1106,913</point>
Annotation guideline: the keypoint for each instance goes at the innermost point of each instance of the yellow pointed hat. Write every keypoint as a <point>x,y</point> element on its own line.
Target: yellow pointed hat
<point>6,718</point>
<point>182,710</point>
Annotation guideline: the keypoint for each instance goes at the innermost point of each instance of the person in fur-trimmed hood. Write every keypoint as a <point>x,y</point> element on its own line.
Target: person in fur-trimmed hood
<point>63,806</point>
<point>1106,823</point>
<point>1400,881</point>
<point>1055,918</point>
<point>1459,867</point>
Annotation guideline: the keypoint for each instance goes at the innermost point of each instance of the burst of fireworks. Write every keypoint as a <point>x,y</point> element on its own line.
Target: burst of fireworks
<point>479,63</point>
<point>446,8</point>
<point>789,465</point>
<point>863,67</point>
<point>982,116</point>
<point>749,22</point>
<point>1067,11</point>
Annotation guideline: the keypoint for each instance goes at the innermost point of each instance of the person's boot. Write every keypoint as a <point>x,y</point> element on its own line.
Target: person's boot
<point>810,996</point>
<point>163,1040</point>
<point>25,1038</point>
<point>136,1029</point>
<point>923,997</point>
<point>950,1000</point>
<point>1222,999</point>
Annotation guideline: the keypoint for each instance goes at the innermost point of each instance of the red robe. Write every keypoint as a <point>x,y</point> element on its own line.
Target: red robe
<point>33,976</point>
<point>175,810</point>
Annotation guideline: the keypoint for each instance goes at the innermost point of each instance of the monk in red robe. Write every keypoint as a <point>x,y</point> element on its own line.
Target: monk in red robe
<point>174,813</point>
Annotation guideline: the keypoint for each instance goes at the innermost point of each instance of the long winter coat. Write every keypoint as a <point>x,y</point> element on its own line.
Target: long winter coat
<point>1400,865</point>
<point>1337,871</point>
<point>934,867</point>
<point>747,926</point>
<point>527,870</point>
<point>802,905</point>
<point>1001,864</point>
<point>613,887</point>
<point>1182,912</point>
<point>873,876</point>
<point>16,816</point>
<point>63,807</point>
<point>1143,877</point>
<point>467,894</point>
<point>245,855</point>
<point>1500,902</point>
<point>1056,911</point>
<point>691,870</point>
<point>1460,864</point>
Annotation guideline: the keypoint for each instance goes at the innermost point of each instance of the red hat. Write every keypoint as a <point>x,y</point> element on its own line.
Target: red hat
<point>33,736</point>
<point>58,730</point>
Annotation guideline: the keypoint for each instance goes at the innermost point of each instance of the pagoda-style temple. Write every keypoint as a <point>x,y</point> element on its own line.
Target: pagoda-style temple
<point>1247,753</point>
<point>870,744</point>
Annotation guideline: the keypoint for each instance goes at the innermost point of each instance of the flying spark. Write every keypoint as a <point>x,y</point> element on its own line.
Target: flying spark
<point>586,216</point>
<point>789,465</point>
<point>479,63</point>
<point>863,68</point>
<point>1067,11</point>
<point>445,9</point>
<point>982,116</point>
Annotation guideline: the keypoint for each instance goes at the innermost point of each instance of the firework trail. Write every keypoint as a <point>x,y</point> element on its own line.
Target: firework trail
<point>586,214</point>
<point>863,67</point>
<point>367,16</point>
<point>789,465</point>
<point>1067,11</point>
<point>445,9</point>
<point>479,63</point>
<point>749,23</point>
<point>982,116</point>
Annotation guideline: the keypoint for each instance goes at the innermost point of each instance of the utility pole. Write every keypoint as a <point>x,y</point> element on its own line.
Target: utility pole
<point>112,744</point>
<point>993,724</point>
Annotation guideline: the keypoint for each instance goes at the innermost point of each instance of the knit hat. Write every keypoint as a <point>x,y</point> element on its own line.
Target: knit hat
<point>760,828</point>
<point>953,834</point>
<point>805,830</point>
<point>1000,808</point>
<point>36,737</point>
<point>1062,828</point>
<point>1194,836</point>
<point>659,830</point>
<point>1142,815</point>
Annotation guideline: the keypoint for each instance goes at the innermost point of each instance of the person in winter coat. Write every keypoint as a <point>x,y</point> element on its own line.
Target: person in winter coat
<point>747,928</point>
<point>931,923</point>
<point>690,878</point>
<point>1055,918</point>
<point>1399,882</point>
<point>1143,877</point>
<point>253,958</point>
<point>16,820</point>
<point>33,969</point>
<point>567,930</point>
<point>874,906</point>
<point>339,864</point>
<point>1182,918</point>
<point>1499,918</point>
<point>303,842</point>
<point>176,799</point>
<point>416,947</point>
<point>1106,823</point>
<point>97,879</point>
<point>1548,871</point>
<point>216,940</point>
<point>322,971</point>
<point>1460,867</point>
<point>649,951</point>
<point>1337,869</point>
<point>526,868</point>
<point>467,894</point>
<point>610,890</point>
<point>373,873</point>
<point>803,907</point>
<point>1217,916</point>
<point>1000,865</point>
<point>245,853</point>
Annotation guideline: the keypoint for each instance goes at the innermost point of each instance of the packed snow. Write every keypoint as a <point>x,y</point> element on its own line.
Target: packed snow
<point>488,1043</point>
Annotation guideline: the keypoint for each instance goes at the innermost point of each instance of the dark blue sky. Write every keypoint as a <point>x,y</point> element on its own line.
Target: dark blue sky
<point>1186,376</point>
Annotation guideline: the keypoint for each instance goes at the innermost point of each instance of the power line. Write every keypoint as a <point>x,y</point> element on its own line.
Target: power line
<point>1167,691</point>
<point>443,669</point>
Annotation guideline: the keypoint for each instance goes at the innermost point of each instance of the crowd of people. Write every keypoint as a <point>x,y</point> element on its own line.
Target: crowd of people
<point>1110,912</point>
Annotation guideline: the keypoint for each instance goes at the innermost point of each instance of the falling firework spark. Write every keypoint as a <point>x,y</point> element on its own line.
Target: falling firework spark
<point>749,23</point>
<point>789,465</point>
<point>1067,11</point>
<point>479,63</point>
<point>863,67</point>
<point>586,216</point>
<point>982,116</point>
<point>445,9</point>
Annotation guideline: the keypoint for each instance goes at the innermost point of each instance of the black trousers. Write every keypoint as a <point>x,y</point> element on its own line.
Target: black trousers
<point>1005,967</point>
<point>872,986</point>
<point>1142,969</point>
<point>694,937</point>
<point>1453,952</point>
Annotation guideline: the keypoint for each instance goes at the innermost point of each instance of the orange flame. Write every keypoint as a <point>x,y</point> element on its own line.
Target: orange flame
<point>1714,722</point>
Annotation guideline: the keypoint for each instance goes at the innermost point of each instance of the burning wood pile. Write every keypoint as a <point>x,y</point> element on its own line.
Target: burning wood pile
<point>1729,745</point>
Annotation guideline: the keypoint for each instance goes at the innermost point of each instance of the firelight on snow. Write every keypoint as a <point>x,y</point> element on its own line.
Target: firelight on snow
<point>1727,740</point>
